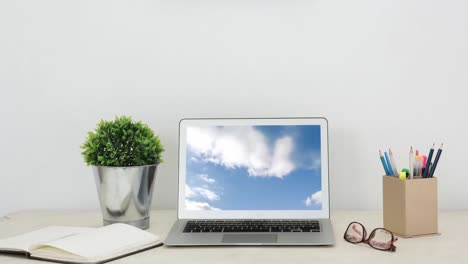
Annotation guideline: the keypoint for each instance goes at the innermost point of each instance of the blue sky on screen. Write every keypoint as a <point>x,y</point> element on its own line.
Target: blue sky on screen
<point>253,168</point>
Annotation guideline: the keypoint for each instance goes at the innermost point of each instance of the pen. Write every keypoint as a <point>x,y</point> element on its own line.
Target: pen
<point>411,165</point>
<point>417,164</point>
<point>428,162</point>
<point>383,163</point>
<point>389,164</point>
<point>424,161</point>
<point>392,160</point>
<point>436,160</point>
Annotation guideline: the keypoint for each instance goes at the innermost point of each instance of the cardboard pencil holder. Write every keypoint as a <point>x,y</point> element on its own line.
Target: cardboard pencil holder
<point>410,206</point>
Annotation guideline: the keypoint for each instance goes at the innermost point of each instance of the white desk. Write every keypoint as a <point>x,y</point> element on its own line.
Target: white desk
<point>450,247</point>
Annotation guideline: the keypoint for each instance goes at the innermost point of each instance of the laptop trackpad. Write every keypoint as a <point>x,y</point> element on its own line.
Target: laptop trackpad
<point>250,238</point>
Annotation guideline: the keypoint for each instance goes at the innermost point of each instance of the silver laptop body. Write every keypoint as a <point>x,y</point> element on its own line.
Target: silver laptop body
<point>253,181</point>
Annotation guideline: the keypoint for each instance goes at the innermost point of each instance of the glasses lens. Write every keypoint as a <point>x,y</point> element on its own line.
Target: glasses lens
<point>381,239</point>
<point>355,233</point>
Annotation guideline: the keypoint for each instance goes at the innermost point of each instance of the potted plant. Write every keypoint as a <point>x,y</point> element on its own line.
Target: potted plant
<point>124,156</point>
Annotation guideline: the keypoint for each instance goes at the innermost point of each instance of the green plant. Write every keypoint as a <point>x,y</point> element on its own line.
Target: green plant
<point>122,143</point>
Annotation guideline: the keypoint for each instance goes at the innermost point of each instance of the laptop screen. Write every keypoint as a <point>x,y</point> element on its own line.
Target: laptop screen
<point>253,167</point>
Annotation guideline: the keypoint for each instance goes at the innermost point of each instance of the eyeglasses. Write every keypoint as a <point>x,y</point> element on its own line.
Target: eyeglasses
<point>379,238</point>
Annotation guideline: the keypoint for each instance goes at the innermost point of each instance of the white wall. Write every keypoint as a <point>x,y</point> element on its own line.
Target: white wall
<point>385,73</point>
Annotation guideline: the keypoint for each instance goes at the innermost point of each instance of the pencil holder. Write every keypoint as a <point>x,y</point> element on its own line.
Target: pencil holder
<point>410,206</point>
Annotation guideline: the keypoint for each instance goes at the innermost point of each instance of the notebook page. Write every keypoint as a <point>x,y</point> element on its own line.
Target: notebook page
<point>103,242</point>
<point>25,241</point>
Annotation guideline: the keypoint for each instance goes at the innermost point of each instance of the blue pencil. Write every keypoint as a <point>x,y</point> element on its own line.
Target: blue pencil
<point>384,164</point>
<point>389,165</point>
<point>428,162</point>
<point>436,160</point>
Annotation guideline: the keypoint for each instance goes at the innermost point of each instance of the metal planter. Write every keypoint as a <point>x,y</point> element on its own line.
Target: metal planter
<point>125,193</point>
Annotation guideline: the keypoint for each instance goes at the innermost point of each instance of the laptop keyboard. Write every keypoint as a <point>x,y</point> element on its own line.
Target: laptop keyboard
<point>224,226</point>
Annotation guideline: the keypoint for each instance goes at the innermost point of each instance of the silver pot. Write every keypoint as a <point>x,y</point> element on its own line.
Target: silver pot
<point>125,193</point>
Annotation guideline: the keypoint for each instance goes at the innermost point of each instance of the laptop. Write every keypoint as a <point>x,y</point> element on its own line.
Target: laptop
<point>253,181</point>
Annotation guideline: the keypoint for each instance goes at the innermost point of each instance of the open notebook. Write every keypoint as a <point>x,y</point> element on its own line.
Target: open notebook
<point>81,244</point>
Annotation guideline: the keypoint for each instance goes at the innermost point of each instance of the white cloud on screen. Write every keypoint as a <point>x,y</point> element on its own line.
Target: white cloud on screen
<point>189,193</point>
<point>205,178</point>
<point>242,147</point>
<point>200,192</point>
<point>281,164</point>
<point>316,164</point>
<point>193,205</point>
<point>208,194</point>
<point>315,198</point>
<point>313,162</point>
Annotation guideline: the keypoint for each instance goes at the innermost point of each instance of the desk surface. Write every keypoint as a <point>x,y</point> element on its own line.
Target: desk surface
<point>449,247</point>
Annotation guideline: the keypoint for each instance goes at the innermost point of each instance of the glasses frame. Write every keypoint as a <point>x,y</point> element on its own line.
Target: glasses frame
<point>366,239</point>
